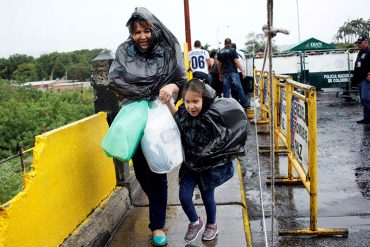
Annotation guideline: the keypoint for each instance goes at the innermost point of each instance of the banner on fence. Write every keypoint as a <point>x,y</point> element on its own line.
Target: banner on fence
<point>299,131</point>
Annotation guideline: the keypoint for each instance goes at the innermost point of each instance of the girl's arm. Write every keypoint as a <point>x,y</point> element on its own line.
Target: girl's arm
<point>171,106</point>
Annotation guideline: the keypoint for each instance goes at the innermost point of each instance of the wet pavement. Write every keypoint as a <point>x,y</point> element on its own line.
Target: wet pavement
<point>343,192</point>
<point>134,230</point>
<point>343,182</point>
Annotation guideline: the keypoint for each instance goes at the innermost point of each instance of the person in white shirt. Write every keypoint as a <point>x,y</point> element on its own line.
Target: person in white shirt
<point>200,63</point>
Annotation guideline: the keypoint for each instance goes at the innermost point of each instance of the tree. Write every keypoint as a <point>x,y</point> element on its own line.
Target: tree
<point>25,72</point>
<point>27,112</point>
<point>15,60</point>
<point>79,71</point>
<point>256,42</point>
<point>51,66</point>
<point>4,65</point>
<point>348,32</point>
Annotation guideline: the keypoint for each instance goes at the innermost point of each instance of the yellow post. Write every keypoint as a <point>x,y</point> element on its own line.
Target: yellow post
<point>276,91</point>
<point>262,95</point>
<point>288,98</point>
<point>312,156</point>
<point>186,61</point>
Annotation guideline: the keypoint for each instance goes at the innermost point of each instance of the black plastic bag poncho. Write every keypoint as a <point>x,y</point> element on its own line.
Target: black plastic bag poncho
<point>138,74</point>
<point>215,136</point>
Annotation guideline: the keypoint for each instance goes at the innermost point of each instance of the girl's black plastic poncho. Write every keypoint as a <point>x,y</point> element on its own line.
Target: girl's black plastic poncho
<point>215,136</point>
<point>138,74</point>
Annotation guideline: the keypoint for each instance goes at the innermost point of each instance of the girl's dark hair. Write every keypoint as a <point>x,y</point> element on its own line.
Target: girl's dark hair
<point>194,85</point>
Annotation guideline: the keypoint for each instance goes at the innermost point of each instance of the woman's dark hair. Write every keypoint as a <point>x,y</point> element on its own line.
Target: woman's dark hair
<point>144,23</point>
<point>194,85</point>
<point>213,53</point>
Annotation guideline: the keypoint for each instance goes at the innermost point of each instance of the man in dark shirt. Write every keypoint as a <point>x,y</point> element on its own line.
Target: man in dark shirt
<point>361,72</point>
<point>228,64</point>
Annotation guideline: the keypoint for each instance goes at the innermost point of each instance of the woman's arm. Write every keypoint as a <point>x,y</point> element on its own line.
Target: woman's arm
<point>166,92</point>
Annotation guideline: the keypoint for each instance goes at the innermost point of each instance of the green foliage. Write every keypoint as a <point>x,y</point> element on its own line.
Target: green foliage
<point>25,72</point>
<point>256,42</point>
<point>79,71</point>
<point>22,68</point>
<point>11,179</point>
<point>4,67</point>
<point>15,60</point>
<point>27,112</point>
<point>348,32</point>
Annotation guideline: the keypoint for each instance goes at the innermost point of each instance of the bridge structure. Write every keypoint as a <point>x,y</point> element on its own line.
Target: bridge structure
<point>76,196</point>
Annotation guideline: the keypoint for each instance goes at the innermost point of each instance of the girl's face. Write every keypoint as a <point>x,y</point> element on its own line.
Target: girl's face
<point>193,103</point>
<point>142,36</point>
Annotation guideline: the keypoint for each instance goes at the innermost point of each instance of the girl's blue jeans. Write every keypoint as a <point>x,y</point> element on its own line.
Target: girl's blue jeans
<point>186,191</point>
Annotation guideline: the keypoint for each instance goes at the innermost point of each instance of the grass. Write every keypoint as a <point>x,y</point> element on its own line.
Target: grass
<point>11,178</point>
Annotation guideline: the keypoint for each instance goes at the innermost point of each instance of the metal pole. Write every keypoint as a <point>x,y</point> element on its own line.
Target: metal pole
<point>218,40</point>
<point>349,72</point>
<point>299,32</point>
<point>20,149</point>
<point>187,24</point>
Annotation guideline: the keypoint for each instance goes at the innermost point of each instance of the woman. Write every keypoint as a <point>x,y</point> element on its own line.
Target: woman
<point>148,64</point>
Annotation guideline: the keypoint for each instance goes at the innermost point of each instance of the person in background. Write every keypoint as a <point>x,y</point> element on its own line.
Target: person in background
<point>137,73</point>
<point>365,99</point>
<point>200,63</point>
<point>361,76</point>
<point>228,64</point>
<point>243,80</point>
<point>216,84</point>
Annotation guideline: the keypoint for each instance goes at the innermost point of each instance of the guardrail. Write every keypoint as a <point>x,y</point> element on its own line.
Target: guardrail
<point>261,92</point>
<point>20,155</point>
<point>295,127</point>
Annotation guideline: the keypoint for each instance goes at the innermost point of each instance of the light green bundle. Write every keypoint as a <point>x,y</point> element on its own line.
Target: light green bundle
<point>125,132</point>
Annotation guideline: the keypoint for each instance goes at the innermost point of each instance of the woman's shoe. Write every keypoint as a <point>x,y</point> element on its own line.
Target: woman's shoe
<point>159,240</point>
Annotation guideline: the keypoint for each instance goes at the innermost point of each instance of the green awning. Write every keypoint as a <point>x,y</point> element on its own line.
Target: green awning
<point>312,44</point>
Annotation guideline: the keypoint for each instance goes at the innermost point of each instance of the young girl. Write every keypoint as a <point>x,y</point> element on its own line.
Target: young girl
<point>213,132</point>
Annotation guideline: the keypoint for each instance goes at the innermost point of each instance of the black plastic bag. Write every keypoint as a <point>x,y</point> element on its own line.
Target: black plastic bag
<point>136,74</point>
<point>214,137</point>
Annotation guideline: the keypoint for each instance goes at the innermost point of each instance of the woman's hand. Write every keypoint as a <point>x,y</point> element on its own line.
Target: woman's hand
<point>166,92</point>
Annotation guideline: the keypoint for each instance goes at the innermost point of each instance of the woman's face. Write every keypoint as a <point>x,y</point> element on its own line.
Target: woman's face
<point>193,103</point>
<point>142,36</point>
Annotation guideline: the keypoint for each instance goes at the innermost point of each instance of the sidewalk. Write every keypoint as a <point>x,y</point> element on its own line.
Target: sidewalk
<point>231,215</point>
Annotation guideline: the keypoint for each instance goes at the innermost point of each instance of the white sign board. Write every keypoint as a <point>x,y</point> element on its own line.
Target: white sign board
<point>282,111</point>
<point>299,131</point>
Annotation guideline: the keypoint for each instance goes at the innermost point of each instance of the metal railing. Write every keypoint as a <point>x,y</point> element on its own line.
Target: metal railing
<point>20,154</point>
<point>295,126</point>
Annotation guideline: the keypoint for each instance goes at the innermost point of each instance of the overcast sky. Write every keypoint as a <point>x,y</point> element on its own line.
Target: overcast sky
<point>35,27</point>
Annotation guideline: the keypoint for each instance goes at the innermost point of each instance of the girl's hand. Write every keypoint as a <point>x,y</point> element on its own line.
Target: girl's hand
<point>166,92</point>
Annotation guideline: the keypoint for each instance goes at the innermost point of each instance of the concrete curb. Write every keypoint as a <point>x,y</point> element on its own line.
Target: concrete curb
<point>99,226</point>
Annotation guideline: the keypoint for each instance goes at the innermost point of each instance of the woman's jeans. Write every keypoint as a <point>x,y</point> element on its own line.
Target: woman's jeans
<point>186,191</point>
<point>155,187</point>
